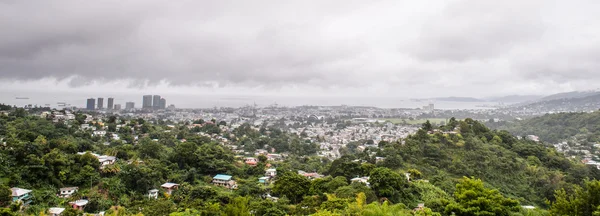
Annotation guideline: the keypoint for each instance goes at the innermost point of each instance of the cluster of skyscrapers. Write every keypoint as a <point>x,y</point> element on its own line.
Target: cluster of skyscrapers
<point>93,104</point>
<point>154,102</point>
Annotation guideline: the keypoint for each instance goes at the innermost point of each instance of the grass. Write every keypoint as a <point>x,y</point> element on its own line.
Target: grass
<point>415,121</point>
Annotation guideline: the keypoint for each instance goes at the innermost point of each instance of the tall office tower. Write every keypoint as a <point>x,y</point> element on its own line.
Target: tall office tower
<point>129,105</point>
<point>100,103</point>
<point>111,102</point>
<point>147,102</point>
<point>163,103</point>
<point>156,101</point>
<point>117,107</point>
<point>91,104</point>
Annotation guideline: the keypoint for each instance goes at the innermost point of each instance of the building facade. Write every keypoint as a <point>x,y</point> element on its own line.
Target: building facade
<point>111,103</point>
<point>91,104</point>
<point>147,102</point>
<point>163,103</point>
<point>129,105</point>
<point>100,103</point>
<point>156,101</point>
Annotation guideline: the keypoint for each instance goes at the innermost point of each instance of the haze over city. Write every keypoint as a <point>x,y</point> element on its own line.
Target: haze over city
<point>331,49</point>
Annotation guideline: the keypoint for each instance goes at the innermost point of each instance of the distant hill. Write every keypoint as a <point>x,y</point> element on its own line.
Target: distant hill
<point>451,99</point>
<point>514,98</point>
<point>573,94</point>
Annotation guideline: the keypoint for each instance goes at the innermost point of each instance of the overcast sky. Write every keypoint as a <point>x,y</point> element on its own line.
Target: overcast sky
<point>326,48</point>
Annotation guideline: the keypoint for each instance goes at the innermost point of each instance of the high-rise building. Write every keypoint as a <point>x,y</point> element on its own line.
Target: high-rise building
<point>111,102</point>
<point>117,107</point>
<point>163,103</point>
<point>156,101</point>
<point>129,105</point>
<point>91,104</point>
<point>147,102</point>
<point>100,103</point>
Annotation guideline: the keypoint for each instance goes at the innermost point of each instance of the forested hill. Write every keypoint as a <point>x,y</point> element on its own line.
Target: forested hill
<point>462,168</point>
<point>554,128</point>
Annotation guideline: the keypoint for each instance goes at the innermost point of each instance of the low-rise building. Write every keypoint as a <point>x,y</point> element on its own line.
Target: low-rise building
<point>224,181</point>
<point>79,204</point>
<point>170,187</point>
<point>21,195</point>
<point>271,172</point>
<point>67,191</point>
<point>153,194</point>
<point>56,211</point>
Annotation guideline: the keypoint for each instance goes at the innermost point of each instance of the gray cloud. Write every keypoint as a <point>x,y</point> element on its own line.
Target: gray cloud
<point>451,47</point>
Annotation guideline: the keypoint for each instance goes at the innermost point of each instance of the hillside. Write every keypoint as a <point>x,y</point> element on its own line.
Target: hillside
<point>463,168</point>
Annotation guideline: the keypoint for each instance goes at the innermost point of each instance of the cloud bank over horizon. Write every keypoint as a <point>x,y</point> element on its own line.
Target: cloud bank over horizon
<point>418,49</point>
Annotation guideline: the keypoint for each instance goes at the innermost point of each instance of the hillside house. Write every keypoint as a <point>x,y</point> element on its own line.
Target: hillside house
<point>263,180</point>
<point>251,161</point>
<point>79,204</point>
<point>21,195</point>
<point>99,133</point>
<point>170,187</point>
<point>67,191</point>
<point>271,172</point>
<point>364,180</point>
<point>224,181</point>
<point>56,211</point>
<point>103,159</point>
<point>153,194</point>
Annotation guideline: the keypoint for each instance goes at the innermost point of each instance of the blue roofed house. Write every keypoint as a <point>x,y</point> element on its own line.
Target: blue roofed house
<point>224,181</point>
<point>263,180</point>
<point>21,195</point>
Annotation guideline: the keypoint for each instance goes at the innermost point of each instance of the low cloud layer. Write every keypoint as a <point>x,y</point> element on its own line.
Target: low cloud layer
<point>408,48</point>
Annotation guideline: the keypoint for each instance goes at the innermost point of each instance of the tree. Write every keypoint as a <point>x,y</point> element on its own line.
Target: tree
<point>584,201</point>
<point>5,195</point>
<point>472,198</point>
<point>387,183</point>
<point>427,126</point>
<point>292,185</point>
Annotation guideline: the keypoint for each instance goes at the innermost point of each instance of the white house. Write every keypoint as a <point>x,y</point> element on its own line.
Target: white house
<point>67,191</point>
<point>153,194</point>
<point>103,159</point>
<point>271,172</point>
<point>56,211</point>
<point>99,133</point>
<point>169,187</point>
<point>364,180</point>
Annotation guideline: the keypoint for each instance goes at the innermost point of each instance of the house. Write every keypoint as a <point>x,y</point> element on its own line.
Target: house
<point>153,194</point>
<point>99,133</point>
<point>67,191</point>
<point>263,180</point>
<point>170,187</point>
<point>103,159</point>
<point>364,180</point>
<point>79,204</point>
<point>224,181</point>
<point>55,211</point>
<point>271,172</point>
<point>274,157</point>
<point>310,176</point>
<point>21,195</point>
<point>379,159</point>
<point>251,161</point>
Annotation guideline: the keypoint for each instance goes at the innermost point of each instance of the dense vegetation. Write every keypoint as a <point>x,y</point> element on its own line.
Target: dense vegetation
<point>462,168</point>
<point>554,128</point>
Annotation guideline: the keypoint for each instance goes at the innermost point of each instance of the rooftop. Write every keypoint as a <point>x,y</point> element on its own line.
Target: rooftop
<point>56,210</point>
<point>222,177</point>
<point>19,191</point>
<point>169,185</point>
<point>81,202</point>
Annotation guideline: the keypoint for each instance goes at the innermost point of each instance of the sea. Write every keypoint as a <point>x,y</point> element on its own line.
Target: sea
<point>54,100</point>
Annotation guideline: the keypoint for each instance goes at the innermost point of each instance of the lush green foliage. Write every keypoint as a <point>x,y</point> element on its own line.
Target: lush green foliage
<point>42,155</point>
